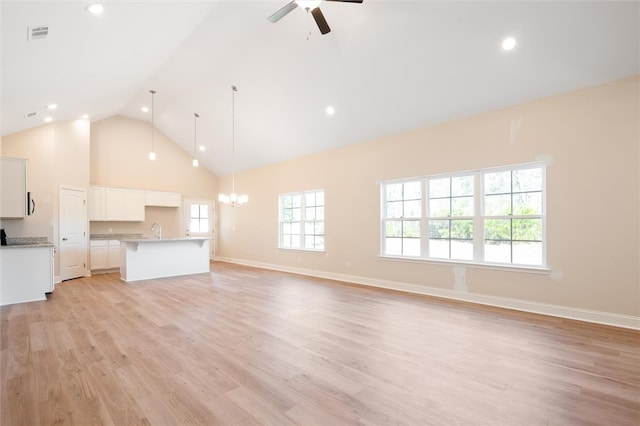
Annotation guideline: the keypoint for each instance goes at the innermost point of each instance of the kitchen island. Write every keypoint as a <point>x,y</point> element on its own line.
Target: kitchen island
<point>145,259</point>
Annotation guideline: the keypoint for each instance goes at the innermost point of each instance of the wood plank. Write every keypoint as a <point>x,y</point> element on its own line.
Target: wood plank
<point>249,346</point>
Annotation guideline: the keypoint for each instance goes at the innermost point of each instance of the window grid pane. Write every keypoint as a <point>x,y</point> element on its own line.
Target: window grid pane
<point>451,197</point>
<point>403,211</point>
<point>513,207</point>
<point>506,205</point>
<point>302,220</point>
<point>199,218</point>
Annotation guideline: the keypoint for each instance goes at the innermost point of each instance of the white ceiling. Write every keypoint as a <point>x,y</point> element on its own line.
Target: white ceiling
<point>387,66</point>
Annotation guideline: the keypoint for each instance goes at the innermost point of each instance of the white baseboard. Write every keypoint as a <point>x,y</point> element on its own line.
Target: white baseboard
<point>598,317</point>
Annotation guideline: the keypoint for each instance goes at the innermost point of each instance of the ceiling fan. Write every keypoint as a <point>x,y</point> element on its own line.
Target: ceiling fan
<point>309,6</point>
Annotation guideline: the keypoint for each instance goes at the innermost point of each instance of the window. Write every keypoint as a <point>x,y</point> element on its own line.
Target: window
<point>402,209</point>
<point>199,218</point>
<point>302,220</point>
<point>513,216</point>
<point>493,216</point>
<point>451,217</point>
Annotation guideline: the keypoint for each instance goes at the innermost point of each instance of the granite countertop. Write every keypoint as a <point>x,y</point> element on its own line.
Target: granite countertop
<point>27,242</point>
<point>160,240</point>
<point>114,236</point>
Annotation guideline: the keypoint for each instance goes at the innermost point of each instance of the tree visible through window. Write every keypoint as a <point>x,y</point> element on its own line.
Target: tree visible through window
<point>403,207</point>
<point>451,217</point>
<point>513,216</point>
<point>485,216</point>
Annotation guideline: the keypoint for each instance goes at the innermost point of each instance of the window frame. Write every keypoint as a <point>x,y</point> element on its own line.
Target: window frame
<point>302,222</point>
<point>478,219</point>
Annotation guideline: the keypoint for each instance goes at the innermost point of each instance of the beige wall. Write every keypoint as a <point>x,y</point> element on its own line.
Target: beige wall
<point>110,152</point>
<point>120,158</point>
<point>590,141</point>
<point>58,154</point>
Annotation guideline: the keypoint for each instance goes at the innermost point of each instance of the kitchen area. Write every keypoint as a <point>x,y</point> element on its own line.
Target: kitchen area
<point>135,233</point>
<point>26,263</point>
<point>150,254</point>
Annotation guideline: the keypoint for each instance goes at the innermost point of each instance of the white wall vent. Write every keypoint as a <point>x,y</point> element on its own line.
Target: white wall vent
<point>31,114</point>
<point>36,33</point>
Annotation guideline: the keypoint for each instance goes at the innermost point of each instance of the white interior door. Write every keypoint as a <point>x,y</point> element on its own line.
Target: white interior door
<point>73,233</point>
<point>199,221</point>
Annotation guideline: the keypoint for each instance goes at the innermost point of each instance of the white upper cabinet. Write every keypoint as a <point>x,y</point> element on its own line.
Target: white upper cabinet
<point>13,188</point>
<point>97,208</point>
<point>162,199</point>
<point>116,204</point>
<point>125,204</point>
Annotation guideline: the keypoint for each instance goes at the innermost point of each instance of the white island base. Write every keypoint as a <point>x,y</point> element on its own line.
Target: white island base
<point>145,259</point>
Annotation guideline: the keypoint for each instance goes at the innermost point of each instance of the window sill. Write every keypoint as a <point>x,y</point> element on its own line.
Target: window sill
<point>301,250</point>
<point>493,266</point>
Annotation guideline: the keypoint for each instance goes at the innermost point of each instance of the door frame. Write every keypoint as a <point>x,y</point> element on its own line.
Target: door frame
<point>212,221</point>
<point>85,223</point>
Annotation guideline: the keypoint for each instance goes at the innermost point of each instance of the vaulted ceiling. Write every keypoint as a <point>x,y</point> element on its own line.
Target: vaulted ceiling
<point>387,66</point>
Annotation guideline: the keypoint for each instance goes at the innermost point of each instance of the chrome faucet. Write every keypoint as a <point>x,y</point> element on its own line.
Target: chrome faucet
<point>158,228</point>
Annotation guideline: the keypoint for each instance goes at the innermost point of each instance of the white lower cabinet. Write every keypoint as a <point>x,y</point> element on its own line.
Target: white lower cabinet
<point>113,258</point>
<point>105,254</point>
<point>26,274</point>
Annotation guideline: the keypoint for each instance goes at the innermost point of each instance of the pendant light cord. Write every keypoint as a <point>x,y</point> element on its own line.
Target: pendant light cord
<point>234,89</point>
<point>195,134</point>
<point>153,92</point>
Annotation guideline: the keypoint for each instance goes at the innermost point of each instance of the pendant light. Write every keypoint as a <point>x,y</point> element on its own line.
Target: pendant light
<point>195,139</point>
<point>152,153</point>
<point>233,199</point>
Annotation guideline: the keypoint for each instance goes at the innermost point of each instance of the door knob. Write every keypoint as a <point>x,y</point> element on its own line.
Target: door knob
<point>65,239</point>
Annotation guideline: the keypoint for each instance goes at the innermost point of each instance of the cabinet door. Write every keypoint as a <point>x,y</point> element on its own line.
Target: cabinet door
<point>97,201</point>
<point>13,188</point>
<point>162,199</point>
<point>134,205</point>
<point>114,254</point>
<point>125,204</point>
<point>173,199</point>
<point>99,255</point>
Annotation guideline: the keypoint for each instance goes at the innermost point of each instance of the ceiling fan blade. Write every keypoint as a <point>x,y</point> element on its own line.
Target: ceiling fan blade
<point>348,1</point>
<point>322,23</point>
<point>283,11</point>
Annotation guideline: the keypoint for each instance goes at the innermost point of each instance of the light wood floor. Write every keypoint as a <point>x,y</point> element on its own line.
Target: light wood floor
<point>246,346</point>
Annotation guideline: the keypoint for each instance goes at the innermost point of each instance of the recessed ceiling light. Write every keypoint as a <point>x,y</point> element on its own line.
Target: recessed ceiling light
<point>52,107</point>
<point>202,148</point>
<point>330,110</point>
<point>509,43</point>
<point>95,8</point>
<point>48,119</point>
<point>145,109</point>
<point>85,116</point>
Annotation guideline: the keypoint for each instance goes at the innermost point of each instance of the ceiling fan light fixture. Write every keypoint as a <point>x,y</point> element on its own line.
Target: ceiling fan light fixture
<point>95,9</point>
<point>312,6</point>
<point>308,4</point>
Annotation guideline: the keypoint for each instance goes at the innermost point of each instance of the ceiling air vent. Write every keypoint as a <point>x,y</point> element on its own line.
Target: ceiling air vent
<point>36,33</point>
<point>31,114</point>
